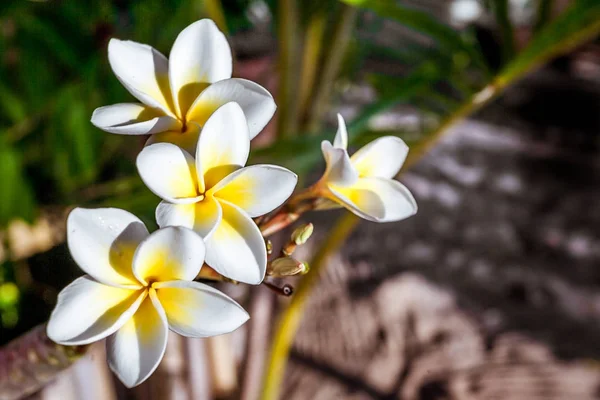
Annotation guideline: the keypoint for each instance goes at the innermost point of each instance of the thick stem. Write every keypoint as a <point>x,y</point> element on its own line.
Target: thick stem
<point>32,360</point>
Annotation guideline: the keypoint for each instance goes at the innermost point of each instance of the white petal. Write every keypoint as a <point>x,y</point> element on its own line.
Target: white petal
<point>257,189</point>
<point>167,254</point>
<point>339,169</point>
<point>237,249</point>
<point>203,216</point>
<point>102,242</point>
<point>136,349</point>
<point>87,311</point>
<point>169,172</point>
<point>381,158</point>
<point>341,136</point>
<point>377,199</point>
<point>133,119</point>
<point>143,71</point>
<point>223,146</point>
<point>197,310</point>
<point>255,100</point>
<point>200,55</point>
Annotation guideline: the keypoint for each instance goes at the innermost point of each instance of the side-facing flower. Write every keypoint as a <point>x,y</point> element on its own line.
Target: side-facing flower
<point>137,287</point>
<point>179,94</point>
<point>215,195</point>
<point>363,183</point>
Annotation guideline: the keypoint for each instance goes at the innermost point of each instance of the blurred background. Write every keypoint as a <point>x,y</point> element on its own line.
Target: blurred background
<point>492,291</point>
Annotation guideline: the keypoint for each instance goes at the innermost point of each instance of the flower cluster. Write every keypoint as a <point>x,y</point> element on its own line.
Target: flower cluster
<point>200,121</point>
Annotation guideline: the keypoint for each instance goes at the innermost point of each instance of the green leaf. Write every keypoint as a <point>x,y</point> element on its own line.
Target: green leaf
<point>500,9</point>
<point>579,23</point>
<point>16,196</point>
<point>11,104</point>
<point>413,19</point>
<point>544,13</point>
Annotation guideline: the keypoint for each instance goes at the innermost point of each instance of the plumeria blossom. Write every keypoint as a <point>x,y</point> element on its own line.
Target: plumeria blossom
<point>179,94</point>
<point>137,287</point>
<point>215,195</point>
<point>363,183</point>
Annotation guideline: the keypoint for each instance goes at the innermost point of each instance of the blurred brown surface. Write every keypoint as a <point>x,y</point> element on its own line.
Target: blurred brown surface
<point>492,291</point>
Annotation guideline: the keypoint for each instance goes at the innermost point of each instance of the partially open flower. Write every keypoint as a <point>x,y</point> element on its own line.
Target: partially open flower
<point>363,183</point>
<point>138,286</point>
<point>179,94</point>
<point>215,195</point>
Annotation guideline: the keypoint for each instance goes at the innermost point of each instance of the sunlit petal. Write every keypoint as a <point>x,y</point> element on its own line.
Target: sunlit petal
<point>169,172</point>
<point>341,136</point>
<point>257,189</point>
<point>167,254</point>
<point>102,242</point>
<point>237,249</point>
<point>137,348</point>
<point>339,170</point>
<point>143,71</point>
<point>377,199</point>
<point>87,311</point>
<point>133,119</point>
<point>381,158</point>
<point>197,310</point>
<point>223,146</point>
<point>200,55</point>
<point>203,216</point>
<point>256,102</point>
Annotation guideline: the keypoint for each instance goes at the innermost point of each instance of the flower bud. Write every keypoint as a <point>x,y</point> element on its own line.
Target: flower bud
<point>302,234</point>
<point>269,246</point>
<point>286,266</point>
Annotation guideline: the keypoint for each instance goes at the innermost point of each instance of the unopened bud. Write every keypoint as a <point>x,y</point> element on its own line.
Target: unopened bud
<point>269,245</point>
<point>286,266</point>
<point>302,234</point>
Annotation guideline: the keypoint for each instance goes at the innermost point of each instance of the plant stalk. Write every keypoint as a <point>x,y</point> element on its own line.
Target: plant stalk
<point>332,64</point>
<point>288,32</point>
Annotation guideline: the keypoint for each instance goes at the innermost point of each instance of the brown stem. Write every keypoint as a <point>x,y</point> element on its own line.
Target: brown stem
<point>291,211</point>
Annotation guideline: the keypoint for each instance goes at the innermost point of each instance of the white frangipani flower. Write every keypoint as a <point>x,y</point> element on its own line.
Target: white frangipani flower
<point>215,196</point>
<point>179,94</point>
<point>137,287</point>
<point>363,183</point>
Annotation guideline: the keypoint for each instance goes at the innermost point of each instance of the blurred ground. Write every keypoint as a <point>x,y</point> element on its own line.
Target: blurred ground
<point>492,291</point>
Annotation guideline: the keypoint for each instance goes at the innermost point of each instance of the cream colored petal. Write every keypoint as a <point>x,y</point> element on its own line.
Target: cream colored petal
<point>136,349</point>
<point>237,249</point>
<point>382,158</point>
<point>197,310</point>
<point>376,199</point>
<point>256,102</point>
<point>169,172</point>
<point>200,55</point>
<point>341,136</point>
<point>102,242</point>
<point>339,170</point>
<point>133,119</point>
<point>223,146</point>
<point>87,311</point>
<point>167,254</point>
<point>143,71</point>
<point>257,189</point>
<point>203,216</point>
